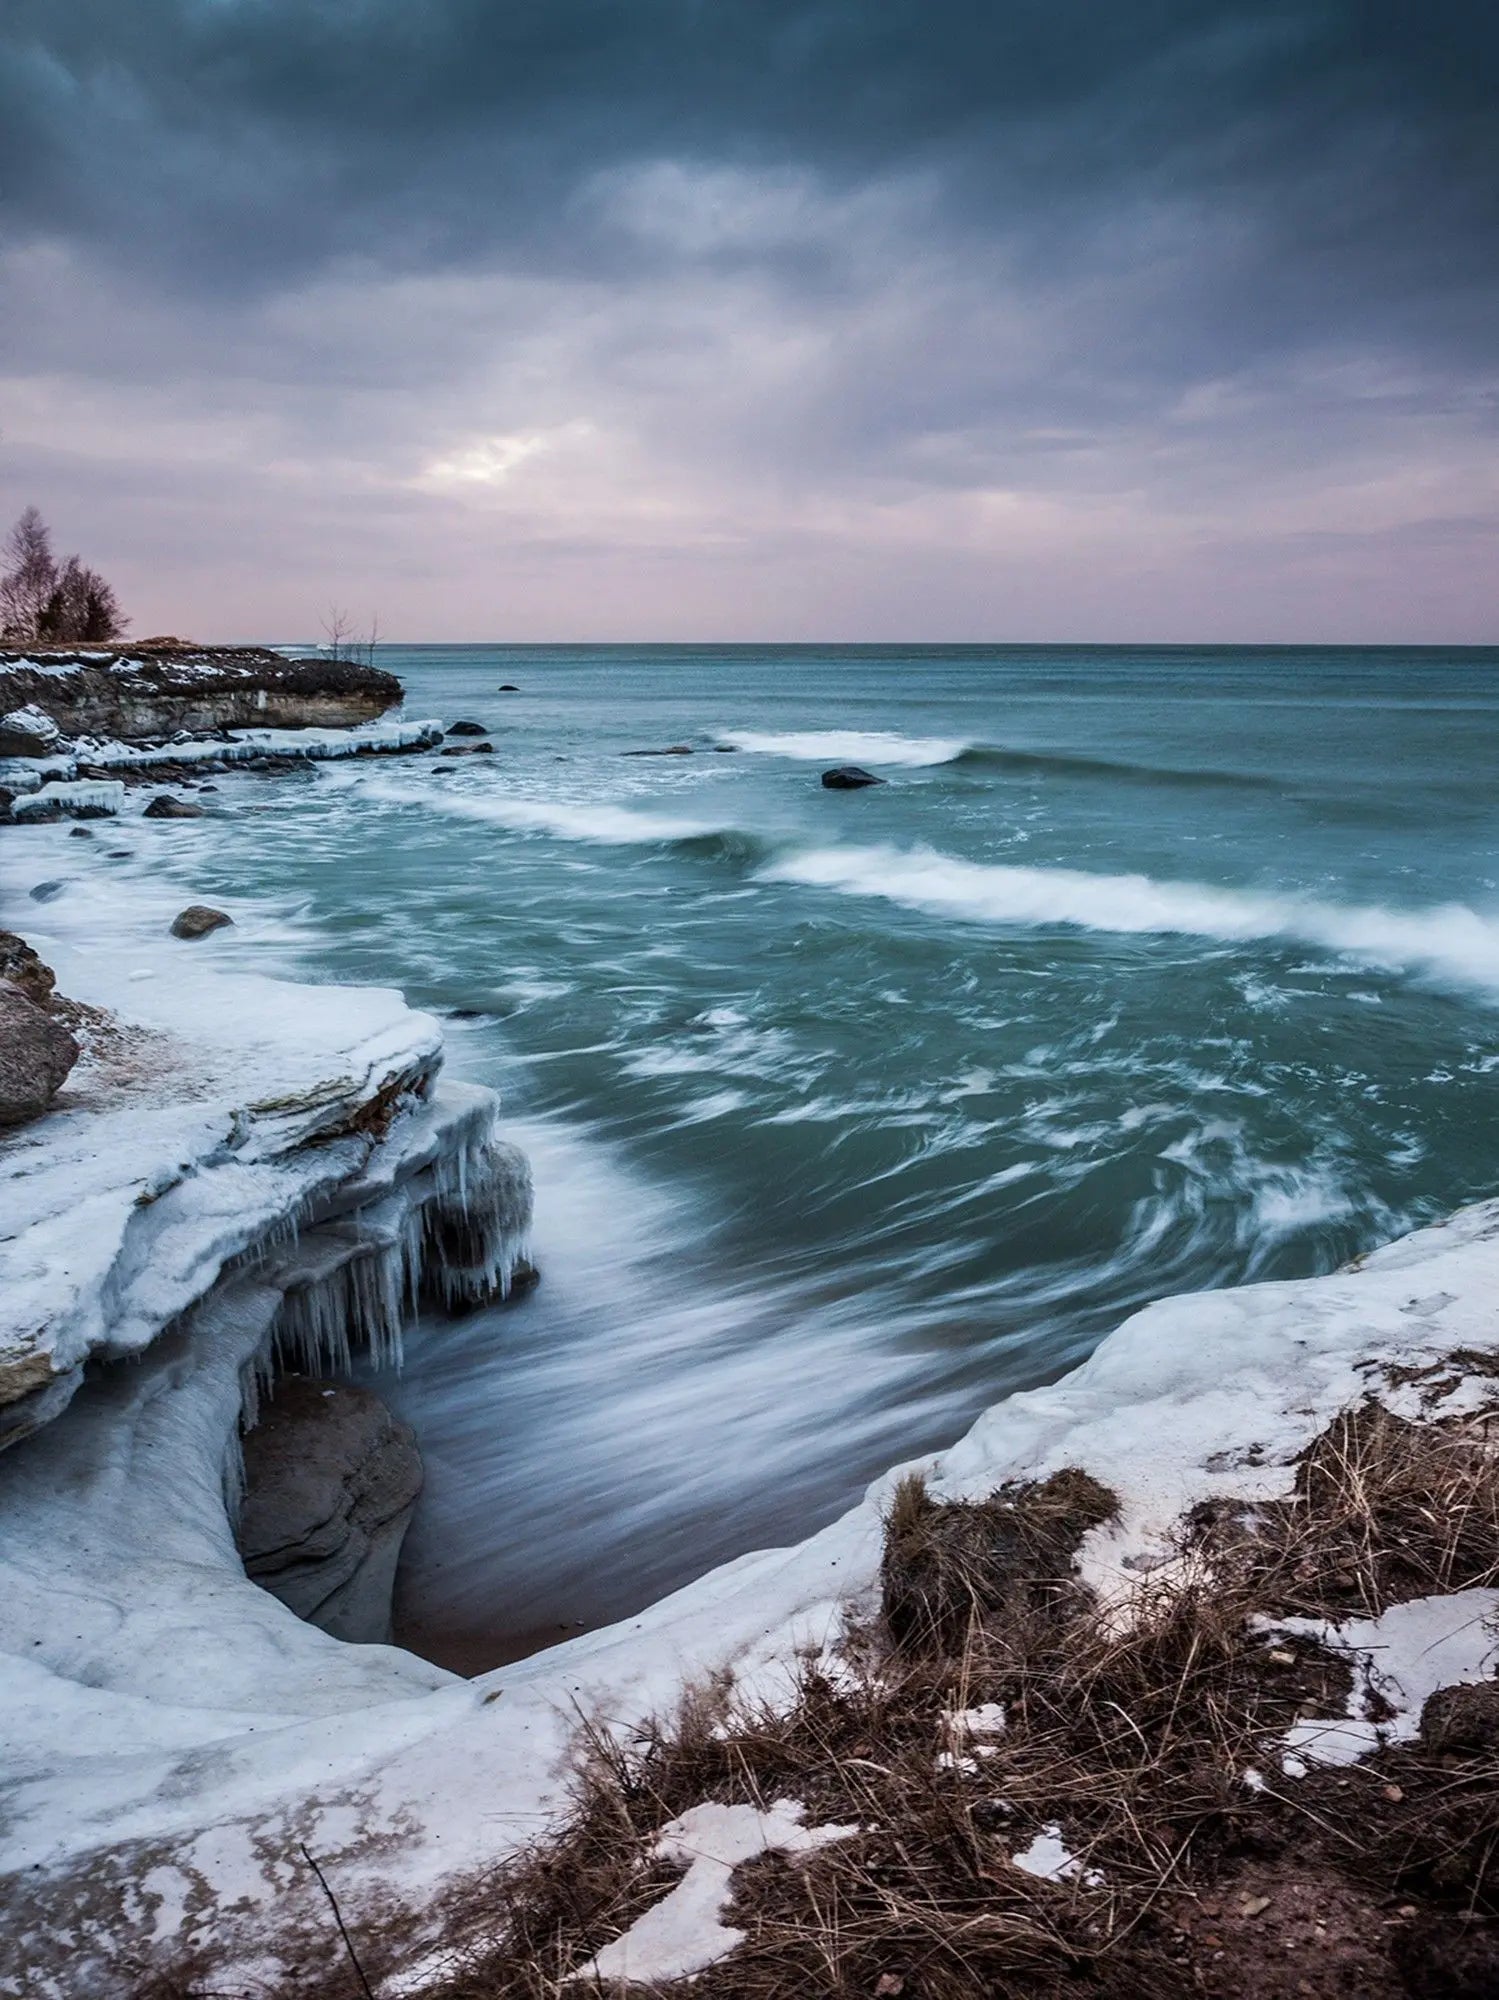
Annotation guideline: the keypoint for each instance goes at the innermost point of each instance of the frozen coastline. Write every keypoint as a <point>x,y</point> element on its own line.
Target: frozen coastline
<point>173,1735</point>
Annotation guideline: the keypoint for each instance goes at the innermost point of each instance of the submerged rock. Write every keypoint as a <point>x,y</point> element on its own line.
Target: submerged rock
<point>197,920</point>
<point>671,750</point>
<point>468,729</point>
<point>36,1054</point>
<point>164,806</point>
<point>467,750</point>
<point>331,1479</point>
<point>849,778</point>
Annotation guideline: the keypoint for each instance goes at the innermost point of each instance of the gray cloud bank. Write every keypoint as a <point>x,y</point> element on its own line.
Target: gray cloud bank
<point>1155,319</point>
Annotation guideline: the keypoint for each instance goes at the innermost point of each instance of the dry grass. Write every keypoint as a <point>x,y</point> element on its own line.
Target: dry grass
<point>1131,1734</point>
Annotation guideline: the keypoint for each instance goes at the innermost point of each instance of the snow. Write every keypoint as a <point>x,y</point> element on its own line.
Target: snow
<point>684,1932</point>
<point>1398,1661</point>
<point>1049,1858</point>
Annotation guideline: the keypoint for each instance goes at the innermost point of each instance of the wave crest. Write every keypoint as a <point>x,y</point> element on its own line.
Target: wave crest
<point>1448,941</point>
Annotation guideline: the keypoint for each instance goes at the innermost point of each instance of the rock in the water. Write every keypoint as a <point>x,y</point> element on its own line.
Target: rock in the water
<point>466,750</point>
<point>671,750</point>
<point>507,687</point>
<point>36,1053</point>
<point>331,1478</point>
<point>44,892</point>
<point>849,778</point>
<point>164,806</point>
<point>467,729</point>
<point>21,966</point>
<point>197,920</point>
<point>80,833</point>
<point>27,732</point>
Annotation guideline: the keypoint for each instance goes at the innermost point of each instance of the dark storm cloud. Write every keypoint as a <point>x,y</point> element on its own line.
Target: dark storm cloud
<point>244,141</point>
<point>808,274</point>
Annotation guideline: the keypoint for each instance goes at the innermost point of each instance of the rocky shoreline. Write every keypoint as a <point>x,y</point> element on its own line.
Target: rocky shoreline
<point>238,1178</point>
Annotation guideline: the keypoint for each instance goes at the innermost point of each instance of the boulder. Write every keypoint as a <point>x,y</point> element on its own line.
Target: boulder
<point>27,732</point>
<point>467,750</point>
<point>671,750</point>
<point>197,920</point>
<point>20,965</point>
<point>849,778</point>
<point>46,892</point>
<point>36,1054</point>
<point>331,1479</point>
<point>80,833</point>
<point>507,687</point>
<point>164,806</point>
<point>467,729</point>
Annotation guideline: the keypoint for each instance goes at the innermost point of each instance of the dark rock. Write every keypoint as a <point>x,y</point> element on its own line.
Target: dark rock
<point>507,687</point>
<point>27,732</point>
<point>849,778</point>
<point>80,833</point>
<point>671,750</point>
<point>25,971</point>
<point>36,1054</point>
<point>331,1478</point>
<point>727,749</point>
<point>197,920</point>
<point>117,854</point>
<point>208,788</point>
<point>468,729</point>
<point>137,693</point>
<point>164,806</point>
<point>467,750</point>
<point>45,892</point>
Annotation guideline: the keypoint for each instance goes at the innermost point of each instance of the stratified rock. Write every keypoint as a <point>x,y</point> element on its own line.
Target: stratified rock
<point>197,920</point>
<point>27,732</point>
<point>20,965</point>
<point>849,778</point>
<point>164,806</point>
<point>36,1053</point>
<point>467,729</point>
<point>134,693</point>
<point>331,1478</point>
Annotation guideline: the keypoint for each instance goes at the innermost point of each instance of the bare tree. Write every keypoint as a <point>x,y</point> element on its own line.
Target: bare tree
<point>42,599</point>
<point>30,578</point>
<point>347,643</point>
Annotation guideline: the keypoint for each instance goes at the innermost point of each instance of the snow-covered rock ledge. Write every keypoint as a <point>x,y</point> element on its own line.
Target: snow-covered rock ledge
<point>173,1737</point>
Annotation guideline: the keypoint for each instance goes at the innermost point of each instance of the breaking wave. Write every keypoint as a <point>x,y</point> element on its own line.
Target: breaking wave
<point>614,826</point>
<point>1450,942</point>
<point>848,746</point>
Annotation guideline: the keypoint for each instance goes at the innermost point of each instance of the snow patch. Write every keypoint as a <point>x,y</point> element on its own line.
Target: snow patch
<point>684,1932</point>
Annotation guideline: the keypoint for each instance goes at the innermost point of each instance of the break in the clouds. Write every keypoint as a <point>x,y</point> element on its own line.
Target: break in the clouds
<point>760,318</point>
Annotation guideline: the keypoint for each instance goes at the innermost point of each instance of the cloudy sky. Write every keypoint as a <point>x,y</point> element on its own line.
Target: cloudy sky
<point>825,319</point>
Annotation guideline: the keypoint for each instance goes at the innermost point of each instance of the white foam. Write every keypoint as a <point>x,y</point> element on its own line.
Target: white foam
<point>847,746</point>
<point>1448,941</point>
<point>612,825</point>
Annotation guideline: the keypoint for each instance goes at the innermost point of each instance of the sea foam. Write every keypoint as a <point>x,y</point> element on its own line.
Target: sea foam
<point>1449,942</point>
<point>848,746</point>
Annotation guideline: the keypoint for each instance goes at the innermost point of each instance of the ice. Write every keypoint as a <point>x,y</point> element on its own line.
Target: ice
<point>82,798</point>
<point>1049,1858</point>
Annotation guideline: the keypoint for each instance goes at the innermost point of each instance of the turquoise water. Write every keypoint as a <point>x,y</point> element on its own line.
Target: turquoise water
<point>1145,972</point>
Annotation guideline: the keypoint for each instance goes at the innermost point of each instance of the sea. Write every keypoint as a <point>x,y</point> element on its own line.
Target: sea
<point>1142,971</point>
